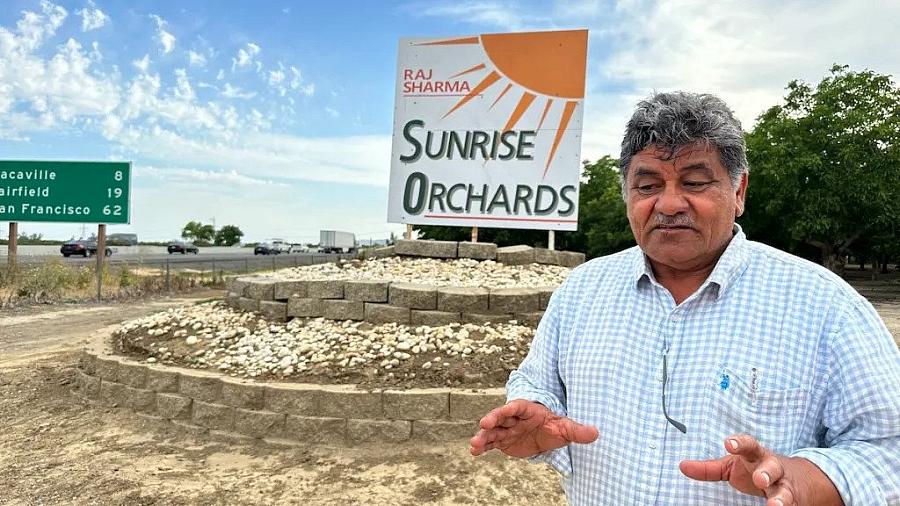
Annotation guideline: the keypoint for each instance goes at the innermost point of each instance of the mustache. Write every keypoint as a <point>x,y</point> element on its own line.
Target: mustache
<point>679,220</point>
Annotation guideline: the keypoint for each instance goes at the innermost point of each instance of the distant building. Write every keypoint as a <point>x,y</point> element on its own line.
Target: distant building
<point>122,239</point>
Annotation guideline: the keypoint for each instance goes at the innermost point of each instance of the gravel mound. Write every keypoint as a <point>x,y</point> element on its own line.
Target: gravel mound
<point>431,271</point>
<point>214,336</point>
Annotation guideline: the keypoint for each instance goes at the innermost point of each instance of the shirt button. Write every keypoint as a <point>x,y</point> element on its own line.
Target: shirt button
<point>652,446</point>
<point>659,378</point>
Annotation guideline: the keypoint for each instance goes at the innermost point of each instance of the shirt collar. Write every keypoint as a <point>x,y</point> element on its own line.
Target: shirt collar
<point>728,268</point>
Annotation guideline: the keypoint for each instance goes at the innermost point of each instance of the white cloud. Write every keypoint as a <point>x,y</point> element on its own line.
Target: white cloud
<point>92,17</point>
<point>196,59</point>
<point>143,64</point>
<point>297,83</point>
<point>334,113</point>
<point>230,91</point>
<point>245,57</point>
<point>165,39</point>
<point>220,75</point>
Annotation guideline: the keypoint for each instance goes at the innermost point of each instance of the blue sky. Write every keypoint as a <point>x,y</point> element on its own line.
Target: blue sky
<point>276,116</point>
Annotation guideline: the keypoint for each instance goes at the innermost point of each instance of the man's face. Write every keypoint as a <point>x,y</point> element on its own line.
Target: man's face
<point>682,210</point>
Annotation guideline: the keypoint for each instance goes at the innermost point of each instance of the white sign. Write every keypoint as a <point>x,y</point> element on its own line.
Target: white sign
<point>487,130</point>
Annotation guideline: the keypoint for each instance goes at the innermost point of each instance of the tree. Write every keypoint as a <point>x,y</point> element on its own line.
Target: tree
<point>825,166</point>
<point>198,233</point>
<point>602,223</point>
<point>228,235</point>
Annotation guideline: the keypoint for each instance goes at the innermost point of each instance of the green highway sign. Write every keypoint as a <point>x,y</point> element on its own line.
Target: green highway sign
<point>74,192</point>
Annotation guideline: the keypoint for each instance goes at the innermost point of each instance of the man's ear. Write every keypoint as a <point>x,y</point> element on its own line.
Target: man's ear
<point>740,195</point>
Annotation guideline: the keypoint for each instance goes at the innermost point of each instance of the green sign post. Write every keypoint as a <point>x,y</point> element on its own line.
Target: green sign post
<point>72,192</point>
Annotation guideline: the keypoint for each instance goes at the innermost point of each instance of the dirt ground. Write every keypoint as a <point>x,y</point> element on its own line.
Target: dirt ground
<point>56,450</point>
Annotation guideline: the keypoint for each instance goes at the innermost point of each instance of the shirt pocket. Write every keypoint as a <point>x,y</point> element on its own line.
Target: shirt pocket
<point>773,417</point>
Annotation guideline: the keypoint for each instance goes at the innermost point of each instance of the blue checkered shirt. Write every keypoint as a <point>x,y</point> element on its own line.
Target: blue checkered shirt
<point>770,345</point>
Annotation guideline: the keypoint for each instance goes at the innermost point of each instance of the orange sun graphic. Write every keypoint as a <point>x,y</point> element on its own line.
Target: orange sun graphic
<point>550,64</point>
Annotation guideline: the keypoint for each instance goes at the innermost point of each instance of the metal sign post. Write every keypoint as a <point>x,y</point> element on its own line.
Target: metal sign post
<point>13,243</point>
<point>474,234</point>
<point>551,240</point>
<point>101,254</point>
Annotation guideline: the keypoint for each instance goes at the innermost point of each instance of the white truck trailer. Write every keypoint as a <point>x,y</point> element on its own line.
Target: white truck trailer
<point>335,241</point>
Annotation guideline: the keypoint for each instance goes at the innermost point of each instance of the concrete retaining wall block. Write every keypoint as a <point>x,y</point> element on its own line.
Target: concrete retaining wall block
<point>107,368</point>
<point>239,394</point>
<point>258,423</point>
<point>231,299</point>
<point>239,285</point>
<point>416,404</point>
<point>458,299</point>
<point>413,296</point>
<point>515,255</point>
<point>431,249</point>
<point>571,259</point>
<point>481,319</point>
<point>315,429</point>
<point>212,416</point>
<point>441,431</point>
<point>531,319</point>
<point>273,310</point>
<point>90,386</point>
<point>384,313</point>
<point>342,402</point>
<point>477,250</point>
<point>544,294</point>
<point>366,291</point>
<point>325,289</point>
<point>433,318</point>
<point>200,386</point>
<point>112,394</point>
<point>370,431</point>
<point>173,406</point>
<point>474,405</point>
<point>161,380</point>
<point>284,290</point>
<point>338,309</point>
<point>513,300</point>
<point>547,256</point>
<point>291,399</point>
<point>387,251</point>
<point>247,304</point>
<point>260,289</point>
<point>138,399</point>
<point>305,307</point>
<point>132,374</point>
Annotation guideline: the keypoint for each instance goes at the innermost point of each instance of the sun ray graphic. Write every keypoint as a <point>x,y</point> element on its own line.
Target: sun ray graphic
<point>551,64</point>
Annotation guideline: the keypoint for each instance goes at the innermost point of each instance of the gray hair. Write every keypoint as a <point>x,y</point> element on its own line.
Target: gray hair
<point>673,121</point>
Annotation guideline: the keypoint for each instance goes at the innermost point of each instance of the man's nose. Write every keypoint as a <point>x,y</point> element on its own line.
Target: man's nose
<point>671,202</point>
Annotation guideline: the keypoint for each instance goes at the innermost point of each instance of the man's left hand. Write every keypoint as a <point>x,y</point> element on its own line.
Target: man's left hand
<point>752,469</point>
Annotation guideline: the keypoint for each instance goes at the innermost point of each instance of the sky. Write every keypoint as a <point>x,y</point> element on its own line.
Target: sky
<point>277,116</point>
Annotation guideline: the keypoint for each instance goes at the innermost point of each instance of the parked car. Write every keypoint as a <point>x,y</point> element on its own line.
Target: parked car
<point>182,247</point>
<point>81,247</point>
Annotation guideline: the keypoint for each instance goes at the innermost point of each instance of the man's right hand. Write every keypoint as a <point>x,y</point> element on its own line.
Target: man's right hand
<point>523,428</point>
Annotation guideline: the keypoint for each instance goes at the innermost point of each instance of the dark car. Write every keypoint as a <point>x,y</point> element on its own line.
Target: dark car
<point>81,247</point>
<point>182,247</point>
<point>265,249</point>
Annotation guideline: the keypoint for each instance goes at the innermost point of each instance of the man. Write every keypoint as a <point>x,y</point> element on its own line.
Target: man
<point>700,367</point>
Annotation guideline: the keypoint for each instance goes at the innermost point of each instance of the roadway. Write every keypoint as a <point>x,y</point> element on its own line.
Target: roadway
<point>240,260</point>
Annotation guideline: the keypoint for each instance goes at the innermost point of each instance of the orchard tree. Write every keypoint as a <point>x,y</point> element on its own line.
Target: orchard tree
<point>198,233</point>
<point>228,235</point>
<point>825,166</point>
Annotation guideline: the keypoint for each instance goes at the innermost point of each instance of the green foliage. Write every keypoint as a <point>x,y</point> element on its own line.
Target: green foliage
<point>602,223</point>
<point>825,167</point>
<point>229,235</point>
<point>198,233</point>
<point>52,280</point>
